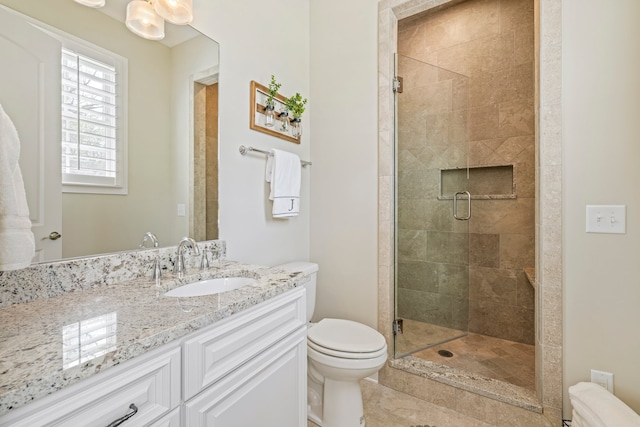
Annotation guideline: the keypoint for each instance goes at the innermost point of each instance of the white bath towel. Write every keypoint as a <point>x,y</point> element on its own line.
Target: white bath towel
<point>594,406</point>
<point>284,173</point>
<point>16,239</point>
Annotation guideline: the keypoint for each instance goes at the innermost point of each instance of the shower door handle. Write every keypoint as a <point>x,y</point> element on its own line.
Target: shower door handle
<point>455,206</point>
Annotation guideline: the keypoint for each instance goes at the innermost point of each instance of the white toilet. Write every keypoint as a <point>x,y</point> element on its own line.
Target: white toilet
<point>339,354</point>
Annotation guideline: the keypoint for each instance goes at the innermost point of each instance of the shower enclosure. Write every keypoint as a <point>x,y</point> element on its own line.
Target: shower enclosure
<point>433,205</point>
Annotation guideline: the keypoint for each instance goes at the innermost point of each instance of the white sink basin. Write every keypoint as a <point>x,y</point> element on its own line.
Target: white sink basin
<point>209,287</point>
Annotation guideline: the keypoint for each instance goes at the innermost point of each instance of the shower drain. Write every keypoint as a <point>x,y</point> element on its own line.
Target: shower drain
<point>445,353</point>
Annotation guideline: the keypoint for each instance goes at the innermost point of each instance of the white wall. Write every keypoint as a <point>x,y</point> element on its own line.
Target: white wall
<point>601,110</point>
<point>344,90</point>
<point>340,138</point>
<point>258,39</point>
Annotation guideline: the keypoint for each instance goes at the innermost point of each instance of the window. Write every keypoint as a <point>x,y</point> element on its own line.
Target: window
<point>93,121</point>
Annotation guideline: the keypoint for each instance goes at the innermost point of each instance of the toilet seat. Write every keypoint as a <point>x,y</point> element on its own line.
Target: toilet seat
<point>346,354</point>
<point>346,339</point>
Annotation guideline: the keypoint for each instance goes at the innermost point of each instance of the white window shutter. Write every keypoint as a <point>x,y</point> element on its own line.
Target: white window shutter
<point>91,152</point>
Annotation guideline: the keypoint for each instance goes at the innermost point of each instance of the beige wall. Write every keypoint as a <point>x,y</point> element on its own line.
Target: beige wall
<point>192,59</point>
<point>344,152</point>
<point>601,140</point>
<point>99,223</point>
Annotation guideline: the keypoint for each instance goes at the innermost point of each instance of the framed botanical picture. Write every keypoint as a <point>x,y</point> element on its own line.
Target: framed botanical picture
<point>270,120</point>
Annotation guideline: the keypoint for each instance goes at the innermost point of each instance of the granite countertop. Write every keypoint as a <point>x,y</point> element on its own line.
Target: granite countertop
<point>137,314</point>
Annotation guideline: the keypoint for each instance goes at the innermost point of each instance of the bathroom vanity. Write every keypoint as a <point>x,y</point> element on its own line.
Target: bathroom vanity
<point>93,356</point>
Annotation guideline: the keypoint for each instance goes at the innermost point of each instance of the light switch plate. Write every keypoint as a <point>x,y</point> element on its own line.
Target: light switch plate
<point>181,209</point>
<point>606,219</point>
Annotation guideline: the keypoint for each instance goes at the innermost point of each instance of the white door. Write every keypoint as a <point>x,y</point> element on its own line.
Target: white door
<point>30,94</point>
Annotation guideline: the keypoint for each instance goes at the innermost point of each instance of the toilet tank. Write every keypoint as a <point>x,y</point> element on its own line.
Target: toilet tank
<point>311,269</point>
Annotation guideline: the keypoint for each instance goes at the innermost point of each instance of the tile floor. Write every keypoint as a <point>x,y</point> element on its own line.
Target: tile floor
<point>384,407</point>
<point>495,358</point>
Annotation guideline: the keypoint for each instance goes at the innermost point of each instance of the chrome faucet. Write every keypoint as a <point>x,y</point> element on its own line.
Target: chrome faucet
<point>157,271</point>
<point>186,243</point>
<point>149,236</point>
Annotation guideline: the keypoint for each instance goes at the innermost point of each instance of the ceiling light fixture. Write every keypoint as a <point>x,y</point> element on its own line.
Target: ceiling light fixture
<point>145,18</point>
<point>179,12</point>
<point>91,3</point>
<point>143,21</point>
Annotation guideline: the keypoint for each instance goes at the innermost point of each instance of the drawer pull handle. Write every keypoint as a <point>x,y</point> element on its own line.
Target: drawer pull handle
<point>119,421</point>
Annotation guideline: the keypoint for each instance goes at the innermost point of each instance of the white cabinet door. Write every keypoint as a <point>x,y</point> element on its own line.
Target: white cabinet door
<point>270,390</point>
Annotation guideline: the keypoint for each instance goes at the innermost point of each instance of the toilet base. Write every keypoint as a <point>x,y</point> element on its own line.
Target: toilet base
<point>314,402</point>
<point>341,406</point>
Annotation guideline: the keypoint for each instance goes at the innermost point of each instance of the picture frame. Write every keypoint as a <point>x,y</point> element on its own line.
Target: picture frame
<point>259,94</point>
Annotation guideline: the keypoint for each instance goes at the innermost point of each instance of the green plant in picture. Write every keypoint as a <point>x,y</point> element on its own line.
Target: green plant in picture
<point>296,105</point>
<point>274,86</point>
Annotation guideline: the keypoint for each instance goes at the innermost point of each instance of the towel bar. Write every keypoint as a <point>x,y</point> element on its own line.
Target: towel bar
<point>244,150</point>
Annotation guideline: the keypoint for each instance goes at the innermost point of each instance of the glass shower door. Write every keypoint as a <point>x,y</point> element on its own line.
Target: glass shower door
<point>432,205</point>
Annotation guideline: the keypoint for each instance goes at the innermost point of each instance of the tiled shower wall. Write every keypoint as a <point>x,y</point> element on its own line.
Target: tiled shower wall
<point>433,271</point>
<point>491,42</point>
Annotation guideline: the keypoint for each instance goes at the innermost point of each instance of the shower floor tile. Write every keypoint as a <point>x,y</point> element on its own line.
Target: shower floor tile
<point>491,357</point>
<point>419,335</point>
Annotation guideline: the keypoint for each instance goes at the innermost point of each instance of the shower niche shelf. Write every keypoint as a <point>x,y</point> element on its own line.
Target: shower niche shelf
<point>484,182</point>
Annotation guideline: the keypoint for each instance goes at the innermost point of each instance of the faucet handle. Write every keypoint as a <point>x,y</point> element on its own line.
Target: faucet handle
<point>157,271</point>
<point>204,261</point>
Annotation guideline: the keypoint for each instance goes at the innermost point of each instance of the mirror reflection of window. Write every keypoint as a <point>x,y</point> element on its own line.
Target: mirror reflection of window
<point>88,339</point>
<point>93,140</point>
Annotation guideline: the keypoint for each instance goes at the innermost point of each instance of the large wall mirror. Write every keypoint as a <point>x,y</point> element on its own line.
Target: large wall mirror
<point>170,117</point>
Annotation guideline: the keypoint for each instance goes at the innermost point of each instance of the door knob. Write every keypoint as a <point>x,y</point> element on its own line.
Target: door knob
<point>54,235</point>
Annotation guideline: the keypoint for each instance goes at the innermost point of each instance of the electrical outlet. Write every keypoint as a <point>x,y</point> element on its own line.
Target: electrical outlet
<point>604,379</point>
<point>181,209</point>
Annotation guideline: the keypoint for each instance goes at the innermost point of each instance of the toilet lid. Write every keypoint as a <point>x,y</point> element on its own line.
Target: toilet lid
<point>345,336</point>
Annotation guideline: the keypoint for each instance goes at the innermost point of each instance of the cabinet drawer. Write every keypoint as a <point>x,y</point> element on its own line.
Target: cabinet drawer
<point>211,354</point>
<point>151,383</point>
